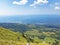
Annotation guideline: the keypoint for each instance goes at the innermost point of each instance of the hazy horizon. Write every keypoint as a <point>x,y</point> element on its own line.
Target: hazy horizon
<point>32,19</point>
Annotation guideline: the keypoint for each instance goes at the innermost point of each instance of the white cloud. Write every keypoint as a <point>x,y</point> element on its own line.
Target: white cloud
<point>57,8</point>
<point>22,2</point>
<point>39,2</point>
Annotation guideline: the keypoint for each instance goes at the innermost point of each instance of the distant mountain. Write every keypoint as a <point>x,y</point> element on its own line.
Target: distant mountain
<point>32,19</point>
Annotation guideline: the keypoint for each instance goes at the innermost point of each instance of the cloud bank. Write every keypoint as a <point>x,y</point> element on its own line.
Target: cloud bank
<point>22,2</point>
<point>39,2</point>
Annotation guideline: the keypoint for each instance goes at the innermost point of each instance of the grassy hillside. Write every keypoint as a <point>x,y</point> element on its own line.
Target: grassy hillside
<point>21,34</point>
<point>9,37</point>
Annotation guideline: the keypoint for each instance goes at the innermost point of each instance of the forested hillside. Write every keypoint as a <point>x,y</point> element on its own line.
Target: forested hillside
<point>35,34</point>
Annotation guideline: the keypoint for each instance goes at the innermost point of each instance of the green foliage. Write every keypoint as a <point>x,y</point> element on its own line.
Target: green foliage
<point>49,40</point>
<point>37,40</point>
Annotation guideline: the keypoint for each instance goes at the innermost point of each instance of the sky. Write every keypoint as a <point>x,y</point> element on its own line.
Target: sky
<point>29,7</point>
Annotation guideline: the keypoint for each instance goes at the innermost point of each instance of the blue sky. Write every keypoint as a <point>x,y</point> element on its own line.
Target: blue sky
<point>29,7</point>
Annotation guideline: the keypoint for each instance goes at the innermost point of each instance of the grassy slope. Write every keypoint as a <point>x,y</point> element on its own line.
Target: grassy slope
<point>8,37</point>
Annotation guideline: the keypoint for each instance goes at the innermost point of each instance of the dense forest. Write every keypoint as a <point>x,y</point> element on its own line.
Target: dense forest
<point>35,34</point>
